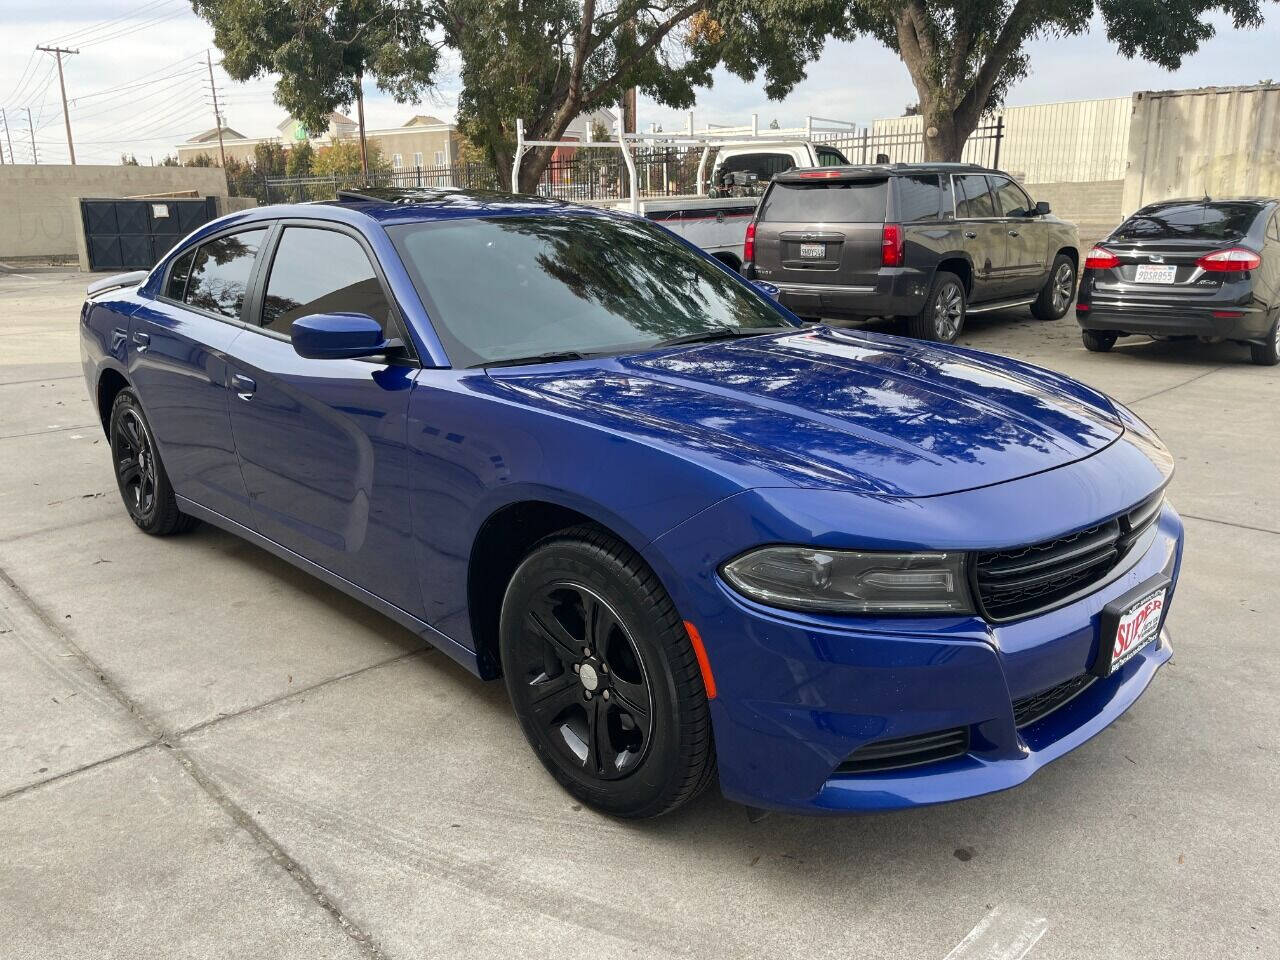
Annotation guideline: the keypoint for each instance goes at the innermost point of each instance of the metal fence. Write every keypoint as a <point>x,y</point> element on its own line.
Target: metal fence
<point>601,176</point>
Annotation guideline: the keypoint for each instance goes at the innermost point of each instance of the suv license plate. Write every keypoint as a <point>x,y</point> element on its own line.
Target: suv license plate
<point>1130,624</point>
<point>813,251</point>
<point>1155,273</point>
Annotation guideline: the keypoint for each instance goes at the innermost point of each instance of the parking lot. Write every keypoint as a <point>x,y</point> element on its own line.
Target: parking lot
<point>207,753</point>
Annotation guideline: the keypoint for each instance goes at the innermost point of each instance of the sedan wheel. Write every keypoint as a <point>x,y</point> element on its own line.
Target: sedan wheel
<point>144,485</point>
<point>1267,354</point>
<point>603,678</point>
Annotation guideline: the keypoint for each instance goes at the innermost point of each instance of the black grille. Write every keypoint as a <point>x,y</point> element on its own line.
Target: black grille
<point>1039,705</point>
<point>907,751</point>
<point>1014,583</point>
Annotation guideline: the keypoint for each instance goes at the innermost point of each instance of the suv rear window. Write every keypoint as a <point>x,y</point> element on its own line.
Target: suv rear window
<point>834,201</point>
<point>1189,221</point>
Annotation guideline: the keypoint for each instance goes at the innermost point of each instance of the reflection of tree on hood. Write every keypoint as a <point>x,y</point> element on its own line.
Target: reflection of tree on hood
<point>634,271</point>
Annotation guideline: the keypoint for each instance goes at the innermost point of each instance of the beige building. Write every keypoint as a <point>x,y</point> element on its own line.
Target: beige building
<point>424,141</point>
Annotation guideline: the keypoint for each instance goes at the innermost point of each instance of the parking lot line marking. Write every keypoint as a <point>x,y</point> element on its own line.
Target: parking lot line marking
<point>1005,933</point>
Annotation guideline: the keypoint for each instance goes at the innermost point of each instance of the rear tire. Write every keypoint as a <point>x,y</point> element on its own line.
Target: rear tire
<point>1267,354</point>
<point>144,485</point>
<point>1058,292</point>
<point>1098,341</point>
<point>942,318</point>
<point>603,677</point>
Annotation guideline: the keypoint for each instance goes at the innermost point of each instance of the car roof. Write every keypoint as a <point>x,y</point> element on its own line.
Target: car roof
<point>1207,201</point>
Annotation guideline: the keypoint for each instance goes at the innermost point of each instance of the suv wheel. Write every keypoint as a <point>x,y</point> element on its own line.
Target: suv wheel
<point>1058,291</point>
<point>603,677</point>
<point>1267,354</point>
<point>1098,341</point>
<point>943,316</point>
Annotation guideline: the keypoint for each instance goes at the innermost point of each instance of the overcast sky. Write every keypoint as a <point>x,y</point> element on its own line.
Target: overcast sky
<point>139,82</point>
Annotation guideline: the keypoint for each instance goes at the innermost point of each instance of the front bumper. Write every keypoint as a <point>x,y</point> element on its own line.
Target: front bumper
<point>798,694</point>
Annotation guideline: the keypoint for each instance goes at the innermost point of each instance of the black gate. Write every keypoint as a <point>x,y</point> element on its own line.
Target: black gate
<point>135,234</point>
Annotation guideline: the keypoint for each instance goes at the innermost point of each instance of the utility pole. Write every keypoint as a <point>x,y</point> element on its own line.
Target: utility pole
<point>8,139</point>
<point>35,157</point>
<point>364,156</point>
<point>66,117</point>
<point>217,117</point>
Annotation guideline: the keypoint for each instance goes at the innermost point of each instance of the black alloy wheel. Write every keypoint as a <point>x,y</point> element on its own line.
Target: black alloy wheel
<point>603,677</point>
<point>1267,353</point>
<point>584,681</point>
<point>140,474</point>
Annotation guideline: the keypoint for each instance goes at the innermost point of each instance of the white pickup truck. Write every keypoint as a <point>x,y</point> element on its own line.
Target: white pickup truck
<point>745,159</point>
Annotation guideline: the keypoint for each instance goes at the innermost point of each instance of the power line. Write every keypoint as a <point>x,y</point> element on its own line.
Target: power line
<point>131,15</point>
<point>146,25</point>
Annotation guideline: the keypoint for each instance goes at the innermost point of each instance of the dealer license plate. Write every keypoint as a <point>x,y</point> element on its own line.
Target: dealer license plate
<point>1139,625</point>
<point>813,251</point>
<point>1155,273</point>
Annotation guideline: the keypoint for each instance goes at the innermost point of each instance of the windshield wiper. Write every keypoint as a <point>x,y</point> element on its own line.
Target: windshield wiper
<point>719,333</point>
<point>551,357</point>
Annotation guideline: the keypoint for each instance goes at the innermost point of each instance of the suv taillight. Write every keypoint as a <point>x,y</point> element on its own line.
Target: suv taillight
<point>1237,258</point>
<point>749,243</point>
<point>1100,258</point>
<point>891,245</point>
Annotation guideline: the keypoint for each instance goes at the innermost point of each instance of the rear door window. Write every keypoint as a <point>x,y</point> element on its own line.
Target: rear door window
<point>320,271</point>
<point>220,273</point>
<point>1223,221</point>
<point>973,199</point>
<point>919,198</point>
<point>1010,200</point>
<point>835,201</point>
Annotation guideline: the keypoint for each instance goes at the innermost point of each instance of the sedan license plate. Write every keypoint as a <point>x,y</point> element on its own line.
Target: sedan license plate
<point>1130,624</point>
<point>813,251</point>
<point>1155,273</point>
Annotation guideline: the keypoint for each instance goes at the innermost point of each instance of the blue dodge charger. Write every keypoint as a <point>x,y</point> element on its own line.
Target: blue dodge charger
<point>833,570</point>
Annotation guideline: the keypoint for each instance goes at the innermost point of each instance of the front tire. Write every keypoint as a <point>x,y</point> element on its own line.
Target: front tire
<point>144,485</point>
<point>1058,291</point>
<point>942,318</point>
<point>1267,354</point>
<point>1098,341</point>
<point>603,678</point>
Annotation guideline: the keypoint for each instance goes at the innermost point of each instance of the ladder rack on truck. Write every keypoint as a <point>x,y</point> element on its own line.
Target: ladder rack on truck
<point>714,223</point>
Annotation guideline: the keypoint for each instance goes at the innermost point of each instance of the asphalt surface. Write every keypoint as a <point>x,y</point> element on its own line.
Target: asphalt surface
<point>205,753</point>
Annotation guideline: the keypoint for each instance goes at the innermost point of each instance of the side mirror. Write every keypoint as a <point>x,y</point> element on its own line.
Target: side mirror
<point>1042,208</point>
<point>768,289</point>
<point>339,336</point>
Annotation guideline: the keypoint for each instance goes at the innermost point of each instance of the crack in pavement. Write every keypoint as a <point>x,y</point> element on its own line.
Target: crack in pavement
<point>1228,523</point>
<point>1198,376</point>
<point>238,815</point>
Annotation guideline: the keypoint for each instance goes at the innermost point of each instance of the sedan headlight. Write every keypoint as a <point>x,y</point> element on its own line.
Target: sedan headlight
<point>852,581</point>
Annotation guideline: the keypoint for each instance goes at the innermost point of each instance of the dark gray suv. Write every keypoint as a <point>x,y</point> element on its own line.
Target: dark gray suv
<point>924,242</point>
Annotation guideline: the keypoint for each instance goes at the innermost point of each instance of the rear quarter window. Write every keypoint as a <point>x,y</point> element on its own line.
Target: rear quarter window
<point>833,201</point>
<point>1211,222</point>
<point>918,198</point>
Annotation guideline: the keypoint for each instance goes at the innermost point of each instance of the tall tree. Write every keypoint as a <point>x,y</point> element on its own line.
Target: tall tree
<point>323,48</point>
<point>964,54</point>
<point>549,62</point>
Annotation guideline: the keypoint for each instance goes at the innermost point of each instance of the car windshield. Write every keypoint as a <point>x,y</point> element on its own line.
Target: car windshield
<point>542,287</point>
<point>1199,221</point>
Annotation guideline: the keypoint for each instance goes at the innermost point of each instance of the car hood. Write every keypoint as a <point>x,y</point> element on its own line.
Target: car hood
<point>825,407</point>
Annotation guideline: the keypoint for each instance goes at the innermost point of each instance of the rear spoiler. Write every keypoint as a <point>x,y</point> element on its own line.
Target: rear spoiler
<point>819,174</point>
<point>107,284</point>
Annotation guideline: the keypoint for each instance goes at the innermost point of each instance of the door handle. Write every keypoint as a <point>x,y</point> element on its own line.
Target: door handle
<point>1013,233</point>
<point>243,386</point>
<point>142,341</point>
<point>970,235</point>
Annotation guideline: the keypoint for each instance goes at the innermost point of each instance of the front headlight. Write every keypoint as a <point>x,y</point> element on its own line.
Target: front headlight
<point>852,581</point>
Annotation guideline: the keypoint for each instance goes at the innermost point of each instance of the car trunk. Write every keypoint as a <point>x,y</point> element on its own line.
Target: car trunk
<point>822,231</point>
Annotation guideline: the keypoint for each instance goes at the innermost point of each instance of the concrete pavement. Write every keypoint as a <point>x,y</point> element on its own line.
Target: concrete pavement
<point>204,752</point>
